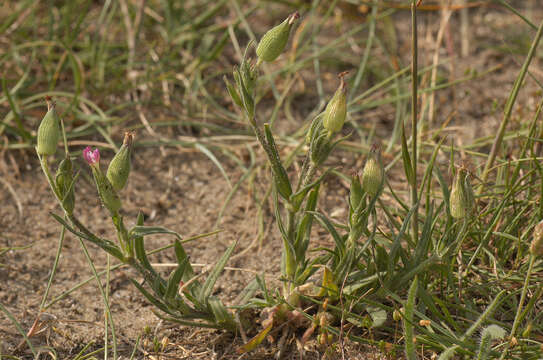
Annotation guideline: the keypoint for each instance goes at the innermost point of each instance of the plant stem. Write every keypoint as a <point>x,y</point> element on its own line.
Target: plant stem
<point>50,180</point>
<point>414,115</point>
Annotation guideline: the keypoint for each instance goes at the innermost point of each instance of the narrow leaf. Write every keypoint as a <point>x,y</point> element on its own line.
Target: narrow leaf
<point>207,286</point>
<point>212,157</point>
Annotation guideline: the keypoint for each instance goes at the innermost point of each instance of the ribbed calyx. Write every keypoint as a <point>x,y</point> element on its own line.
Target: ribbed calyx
<point>274,41</point>
<point>49,130</point>
<point>119,167</point>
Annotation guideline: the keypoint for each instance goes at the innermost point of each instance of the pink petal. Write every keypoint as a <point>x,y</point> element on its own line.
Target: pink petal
<point>90,156</point>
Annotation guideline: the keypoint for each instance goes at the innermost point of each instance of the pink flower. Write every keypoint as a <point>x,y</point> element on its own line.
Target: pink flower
<point>91,156</point>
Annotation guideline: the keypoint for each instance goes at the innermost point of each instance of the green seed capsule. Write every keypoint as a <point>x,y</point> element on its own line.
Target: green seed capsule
<point>536,247</point>
<point>372,175</point>
<point>49,131</point>
<point>274,41</point>
<point>336,110</point>
<point>107,193</point>
<point>461,201</point>
<point>119,167</point>
<point>63,181</point>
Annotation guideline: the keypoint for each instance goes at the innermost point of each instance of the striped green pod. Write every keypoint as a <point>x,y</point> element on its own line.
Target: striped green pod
<point>336,110</point>
<point>536,247</point>
<point>274,41</point>
<point>119,167</point>
<point>462,199</point>
<point>314,130</point>
<point>372,174</point>
<point>49,131</point>
<point>107,193</point>
<point>63,181</point>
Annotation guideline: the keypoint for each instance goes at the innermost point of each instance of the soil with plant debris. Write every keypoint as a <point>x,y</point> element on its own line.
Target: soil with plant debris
<point>183,190</point>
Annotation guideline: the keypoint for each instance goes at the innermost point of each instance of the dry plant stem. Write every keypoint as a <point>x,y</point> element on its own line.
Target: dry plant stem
<point>445,16</point>
<point>509,108</point>
<point>518,319</point>
<point>14,195</point>
<point>464,30</point>
<point>414,115</point>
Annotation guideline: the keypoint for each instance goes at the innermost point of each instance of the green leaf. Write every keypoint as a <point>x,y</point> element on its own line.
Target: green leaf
<point>215,161</point>
<point>246,96</point>
<point>280,175</point>
<point>173,282</point>
<point>233,92</point>
<point>151,298</point>
<point>304,228</point>
<point>247,293</point>
<point>141,255</point>
<point>221,314</point>
<point>207,286</point>
<point>151,230</point>
<point>396,247</point>
<point>261,280</point>
<point>408,168</point>
<point>340,243</point>
<point>107,245</point>
<point>182,258</point>
<point>297,198</point>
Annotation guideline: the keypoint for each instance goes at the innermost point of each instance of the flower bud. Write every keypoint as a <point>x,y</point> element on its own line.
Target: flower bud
<point>462,199</point>
<point>49,130</point>
<point>274,41</point>
<point>63,181</point>
<point>107,193</point>
<point>536,247</point>
<point>119,167</point>
<point>355,195</point>
<point>336,110</point>
<point>372,174</point>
